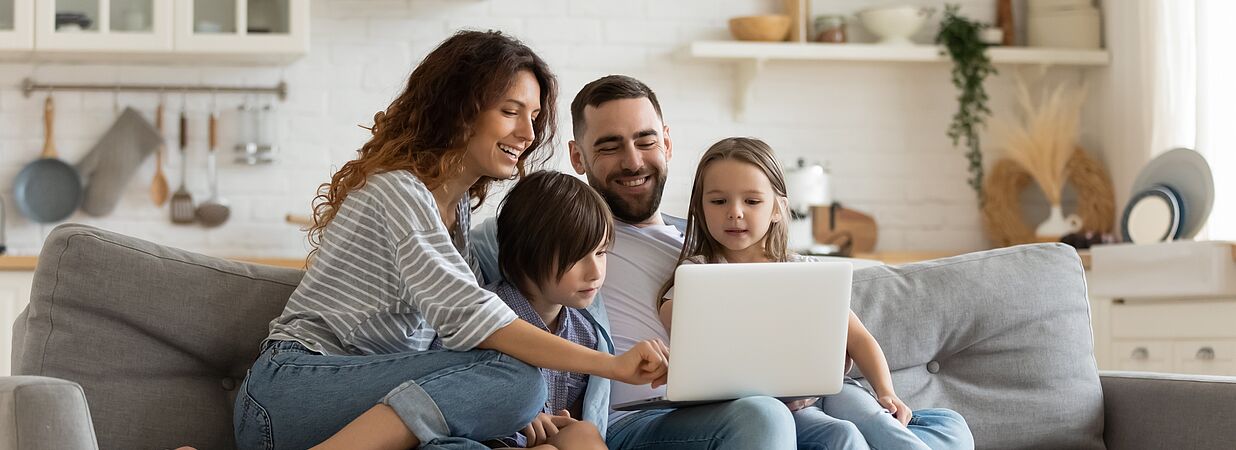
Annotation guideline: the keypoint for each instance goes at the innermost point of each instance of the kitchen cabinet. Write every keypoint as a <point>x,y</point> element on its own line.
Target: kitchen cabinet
<point>103,25</point>
<point>279,27</point>
<point>16,25</point>
<point>190,31</point>
<point>14,295</point>
<point>1167,307</point>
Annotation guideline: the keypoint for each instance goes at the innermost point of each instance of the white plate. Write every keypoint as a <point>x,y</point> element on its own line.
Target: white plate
<point>1188,174</point>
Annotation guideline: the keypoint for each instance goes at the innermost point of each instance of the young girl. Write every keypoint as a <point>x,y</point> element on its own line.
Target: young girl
<point>737,214</point>
<point>553,295</point>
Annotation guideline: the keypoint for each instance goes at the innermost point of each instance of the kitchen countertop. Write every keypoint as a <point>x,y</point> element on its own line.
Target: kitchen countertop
<point>28,263</point>
<point>894,258</point>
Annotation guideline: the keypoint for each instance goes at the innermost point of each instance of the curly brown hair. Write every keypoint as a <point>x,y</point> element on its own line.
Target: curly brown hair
<point>425,129</point>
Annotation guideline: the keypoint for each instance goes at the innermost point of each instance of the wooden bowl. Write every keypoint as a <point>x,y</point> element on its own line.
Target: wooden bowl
<point>769,28</point>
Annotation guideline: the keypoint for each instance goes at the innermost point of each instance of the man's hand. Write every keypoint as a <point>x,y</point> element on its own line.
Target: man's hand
<point>800,404</point>
<point>899,409</point>
<point>645,363</point>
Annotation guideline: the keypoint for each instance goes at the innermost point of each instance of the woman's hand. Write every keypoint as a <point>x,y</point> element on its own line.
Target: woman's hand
<point>545,426</point>
<point>645,363</point>
<point>899,409</point>
<point>800,404</point>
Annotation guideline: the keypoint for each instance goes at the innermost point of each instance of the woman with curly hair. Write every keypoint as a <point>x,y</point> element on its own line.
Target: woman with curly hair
<point>348,364</point>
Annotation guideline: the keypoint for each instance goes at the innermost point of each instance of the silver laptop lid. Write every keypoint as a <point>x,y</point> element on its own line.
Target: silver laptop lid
<point>776,329</point>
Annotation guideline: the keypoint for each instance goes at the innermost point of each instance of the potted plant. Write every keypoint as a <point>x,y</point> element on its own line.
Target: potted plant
<point>971,66</point>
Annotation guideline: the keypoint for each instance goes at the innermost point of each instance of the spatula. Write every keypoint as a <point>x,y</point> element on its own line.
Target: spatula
<point>182,200</point>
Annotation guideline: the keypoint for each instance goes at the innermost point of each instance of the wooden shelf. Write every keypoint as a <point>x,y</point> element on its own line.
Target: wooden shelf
<point>810,51</point>
<point>752,56</point>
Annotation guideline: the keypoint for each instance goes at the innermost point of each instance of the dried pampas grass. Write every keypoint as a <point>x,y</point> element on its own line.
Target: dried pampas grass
<point>1002,210</point>
<point>1044,140</point>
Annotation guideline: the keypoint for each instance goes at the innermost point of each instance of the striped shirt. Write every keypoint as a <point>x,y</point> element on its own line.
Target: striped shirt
<point>389,278</point>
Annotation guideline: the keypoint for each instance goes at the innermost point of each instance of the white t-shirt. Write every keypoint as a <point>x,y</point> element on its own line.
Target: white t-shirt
<point>639,264</point>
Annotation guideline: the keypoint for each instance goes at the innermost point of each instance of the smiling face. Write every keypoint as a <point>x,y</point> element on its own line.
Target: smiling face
<point>504,131</point>
<point>739,206</point>
<point>624,150</point>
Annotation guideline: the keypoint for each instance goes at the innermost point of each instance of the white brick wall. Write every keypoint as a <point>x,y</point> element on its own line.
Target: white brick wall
<point>881,126</point>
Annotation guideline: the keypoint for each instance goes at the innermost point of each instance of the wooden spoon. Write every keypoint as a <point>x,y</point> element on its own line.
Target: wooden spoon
<point>158,186</point>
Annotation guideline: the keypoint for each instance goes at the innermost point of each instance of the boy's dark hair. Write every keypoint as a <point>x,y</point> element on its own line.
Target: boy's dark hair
<point>548,222</point>
<point>604,89</point>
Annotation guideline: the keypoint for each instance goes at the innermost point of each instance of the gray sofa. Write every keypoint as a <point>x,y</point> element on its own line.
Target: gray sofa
<point>130,345</point>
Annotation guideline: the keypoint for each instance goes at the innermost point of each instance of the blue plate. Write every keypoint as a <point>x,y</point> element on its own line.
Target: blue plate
<point>1153,215</point>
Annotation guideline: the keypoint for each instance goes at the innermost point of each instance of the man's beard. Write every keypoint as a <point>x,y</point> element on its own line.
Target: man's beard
<point>636,210</point>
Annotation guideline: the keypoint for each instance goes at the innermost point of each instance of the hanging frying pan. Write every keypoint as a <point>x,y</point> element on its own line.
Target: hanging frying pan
<point>48,190</point>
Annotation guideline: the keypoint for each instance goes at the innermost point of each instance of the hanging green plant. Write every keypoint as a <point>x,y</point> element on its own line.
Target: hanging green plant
<point>971,66</point>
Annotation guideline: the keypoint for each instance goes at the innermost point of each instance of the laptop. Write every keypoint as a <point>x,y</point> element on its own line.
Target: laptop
<point>765,329</point>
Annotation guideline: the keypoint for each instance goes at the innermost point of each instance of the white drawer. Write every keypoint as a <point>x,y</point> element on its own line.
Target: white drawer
<point>1206,357</point>
<point>1143,356</point>
<point>1173,319</point>
<point>1163,270</point>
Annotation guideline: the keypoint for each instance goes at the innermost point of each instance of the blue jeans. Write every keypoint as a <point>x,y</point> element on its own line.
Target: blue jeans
<point>853,419</point>
<point>296,398</point>
<point>750,423</point>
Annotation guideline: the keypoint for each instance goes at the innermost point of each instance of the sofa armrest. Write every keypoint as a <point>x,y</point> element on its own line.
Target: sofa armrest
<point>44,413</point>
<point>1155,410</point>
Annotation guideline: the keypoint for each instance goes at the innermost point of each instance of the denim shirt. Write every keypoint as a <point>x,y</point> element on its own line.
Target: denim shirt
<point>484,240</point>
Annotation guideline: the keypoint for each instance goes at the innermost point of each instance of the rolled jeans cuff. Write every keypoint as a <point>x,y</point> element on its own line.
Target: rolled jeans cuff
<point>418,411</point>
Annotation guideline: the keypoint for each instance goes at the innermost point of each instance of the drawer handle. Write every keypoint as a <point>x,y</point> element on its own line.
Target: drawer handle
<point>1205,353</point>
<point>1140,353</point>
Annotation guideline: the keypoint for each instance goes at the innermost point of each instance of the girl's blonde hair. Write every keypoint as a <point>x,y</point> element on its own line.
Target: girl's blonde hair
<point>699,243</point>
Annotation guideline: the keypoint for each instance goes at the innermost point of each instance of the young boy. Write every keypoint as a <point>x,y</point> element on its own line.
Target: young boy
<point>546,219</point>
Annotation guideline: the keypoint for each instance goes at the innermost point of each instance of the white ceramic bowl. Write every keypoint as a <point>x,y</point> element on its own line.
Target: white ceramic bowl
<point>894,25</point>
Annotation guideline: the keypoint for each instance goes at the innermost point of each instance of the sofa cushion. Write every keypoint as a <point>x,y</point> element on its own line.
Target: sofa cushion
<point>158,338</point>
<point>1002,337</point>
<point>41,412</point>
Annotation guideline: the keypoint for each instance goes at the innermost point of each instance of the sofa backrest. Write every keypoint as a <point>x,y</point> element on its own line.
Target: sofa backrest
<point>1002,337</point>
<point>159,338</point>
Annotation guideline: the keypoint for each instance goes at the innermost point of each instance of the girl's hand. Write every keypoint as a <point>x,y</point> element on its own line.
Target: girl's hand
<point>800,404</point>
<point>899,409</point>
<point>545,426</point>
<point>645,363</point>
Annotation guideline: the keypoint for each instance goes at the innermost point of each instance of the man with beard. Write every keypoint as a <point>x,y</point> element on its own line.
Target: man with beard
<point>623,146</point>
<point>625,158</point>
